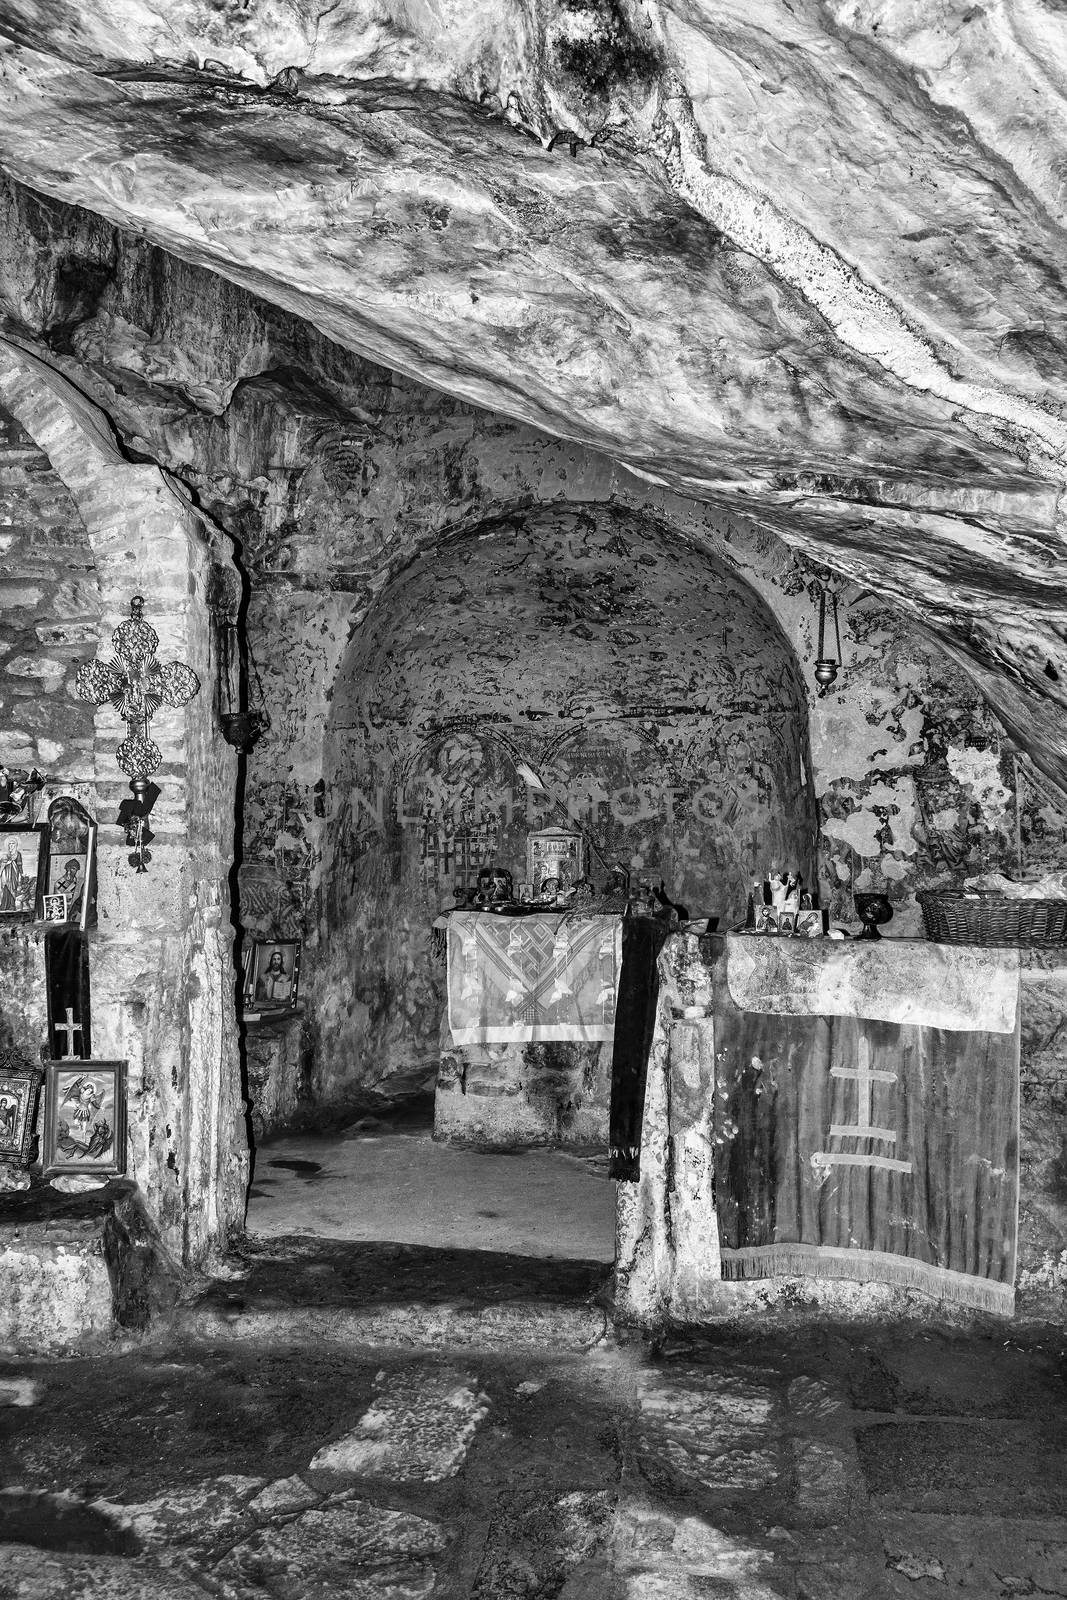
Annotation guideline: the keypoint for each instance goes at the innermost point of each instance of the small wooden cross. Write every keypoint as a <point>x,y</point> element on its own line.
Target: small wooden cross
<point>70,1028</point>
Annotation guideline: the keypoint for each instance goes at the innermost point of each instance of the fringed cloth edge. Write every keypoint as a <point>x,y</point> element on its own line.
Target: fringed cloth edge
<point>868,1266</point>
<point>536,1033</point>
<point>626,1162</point>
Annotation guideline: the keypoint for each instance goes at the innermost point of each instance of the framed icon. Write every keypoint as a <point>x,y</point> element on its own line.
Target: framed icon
<point>22,871</point>
<point>20,1082</point>
<point>71,858</point>
<point>20,792</point>
<point>275,975</point>
<point>55,907</point>
<point>554,854</point>
<point>84,1118</point>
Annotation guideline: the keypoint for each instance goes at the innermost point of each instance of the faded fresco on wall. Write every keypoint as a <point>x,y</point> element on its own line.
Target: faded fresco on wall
<point>651,692</point>
<point>918,786</point>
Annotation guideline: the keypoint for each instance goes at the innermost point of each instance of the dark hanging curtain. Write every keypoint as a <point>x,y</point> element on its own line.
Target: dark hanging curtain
<point>66,963</point>
<point>635,1017</point>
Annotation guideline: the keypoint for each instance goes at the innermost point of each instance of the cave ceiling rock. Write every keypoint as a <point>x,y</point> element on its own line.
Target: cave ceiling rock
<point>806,251</point>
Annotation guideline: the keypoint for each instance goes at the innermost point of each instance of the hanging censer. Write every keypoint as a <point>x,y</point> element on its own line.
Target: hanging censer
<point>137,685</point>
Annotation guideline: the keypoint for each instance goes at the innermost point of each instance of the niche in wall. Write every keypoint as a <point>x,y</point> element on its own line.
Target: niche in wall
<point>649,685</point>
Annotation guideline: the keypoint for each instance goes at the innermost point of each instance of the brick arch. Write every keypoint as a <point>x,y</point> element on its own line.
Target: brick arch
<point>137,528</point>
<point>50,611</point>
<point>161,957</point>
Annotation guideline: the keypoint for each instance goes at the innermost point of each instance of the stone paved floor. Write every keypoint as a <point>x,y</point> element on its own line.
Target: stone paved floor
<point>819,1467</point>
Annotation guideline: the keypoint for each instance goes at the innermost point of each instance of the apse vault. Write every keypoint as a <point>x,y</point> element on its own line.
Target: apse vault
<point>647,687</point>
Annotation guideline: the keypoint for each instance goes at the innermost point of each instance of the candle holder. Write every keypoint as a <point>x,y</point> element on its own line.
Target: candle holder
<point>872,910</point>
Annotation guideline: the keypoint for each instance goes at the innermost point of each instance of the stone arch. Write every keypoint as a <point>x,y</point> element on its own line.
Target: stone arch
<point>51,611</point>
<point>666,708</point>
<point>161,957</point>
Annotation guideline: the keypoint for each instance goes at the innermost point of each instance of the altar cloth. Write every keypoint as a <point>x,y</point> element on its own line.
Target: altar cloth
<point>849,1144</point>
<point>958,987</point>
<point>534,979</point>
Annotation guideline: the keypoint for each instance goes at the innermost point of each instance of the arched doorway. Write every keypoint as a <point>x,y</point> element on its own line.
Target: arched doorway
<point>98,530</point>
<point>645,683</point>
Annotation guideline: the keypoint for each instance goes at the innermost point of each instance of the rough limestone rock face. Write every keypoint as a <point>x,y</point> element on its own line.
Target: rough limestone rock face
<point>804,258</point>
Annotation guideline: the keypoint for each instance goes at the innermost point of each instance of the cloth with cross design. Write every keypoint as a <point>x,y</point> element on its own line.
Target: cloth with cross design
<point>866,1117</point>
<point>532,979</point>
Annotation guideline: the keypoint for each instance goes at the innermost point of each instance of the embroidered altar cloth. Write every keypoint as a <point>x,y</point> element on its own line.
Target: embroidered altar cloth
<point>552,976</point>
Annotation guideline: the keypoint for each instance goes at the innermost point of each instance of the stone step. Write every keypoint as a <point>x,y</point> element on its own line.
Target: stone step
<point>519,1325</point>
<point>296,1289</point>
<point>79,1270</point>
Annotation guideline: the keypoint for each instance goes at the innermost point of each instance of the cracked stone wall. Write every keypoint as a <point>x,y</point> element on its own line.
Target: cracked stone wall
<point>919,786</point>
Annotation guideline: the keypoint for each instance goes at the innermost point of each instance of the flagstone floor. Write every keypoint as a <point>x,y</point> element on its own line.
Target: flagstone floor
<point>815,1467</point>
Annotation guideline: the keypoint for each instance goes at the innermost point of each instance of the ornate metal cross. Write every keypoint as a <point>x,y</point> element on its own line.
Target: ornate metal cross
<point>136,684</point>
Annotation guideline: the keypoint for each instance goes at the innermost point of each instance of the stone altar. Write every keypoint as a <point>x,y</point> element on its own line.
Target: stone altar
<point>670,1261</point>
<point>532,1000</point>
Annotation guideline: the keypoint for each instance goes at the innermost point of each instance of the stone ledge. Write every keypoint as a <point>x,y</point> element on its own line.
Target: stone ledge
<point>78,1269</point>
<point>518,1325</point>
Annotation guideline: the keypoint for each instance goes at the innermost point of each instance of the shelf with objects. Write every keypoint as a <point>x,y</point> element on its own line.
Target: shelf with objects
<point>272,1026</point>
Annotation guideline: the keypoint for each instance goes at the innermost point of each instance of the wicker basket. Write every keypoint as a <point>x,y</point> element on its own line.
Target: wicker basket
<point>993,919</point>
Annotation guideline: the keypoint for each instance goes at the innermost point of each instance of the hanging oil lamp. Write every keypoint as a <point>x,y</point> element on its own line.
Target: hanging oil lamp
<point>827,667</point>
<point>241,718</point>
